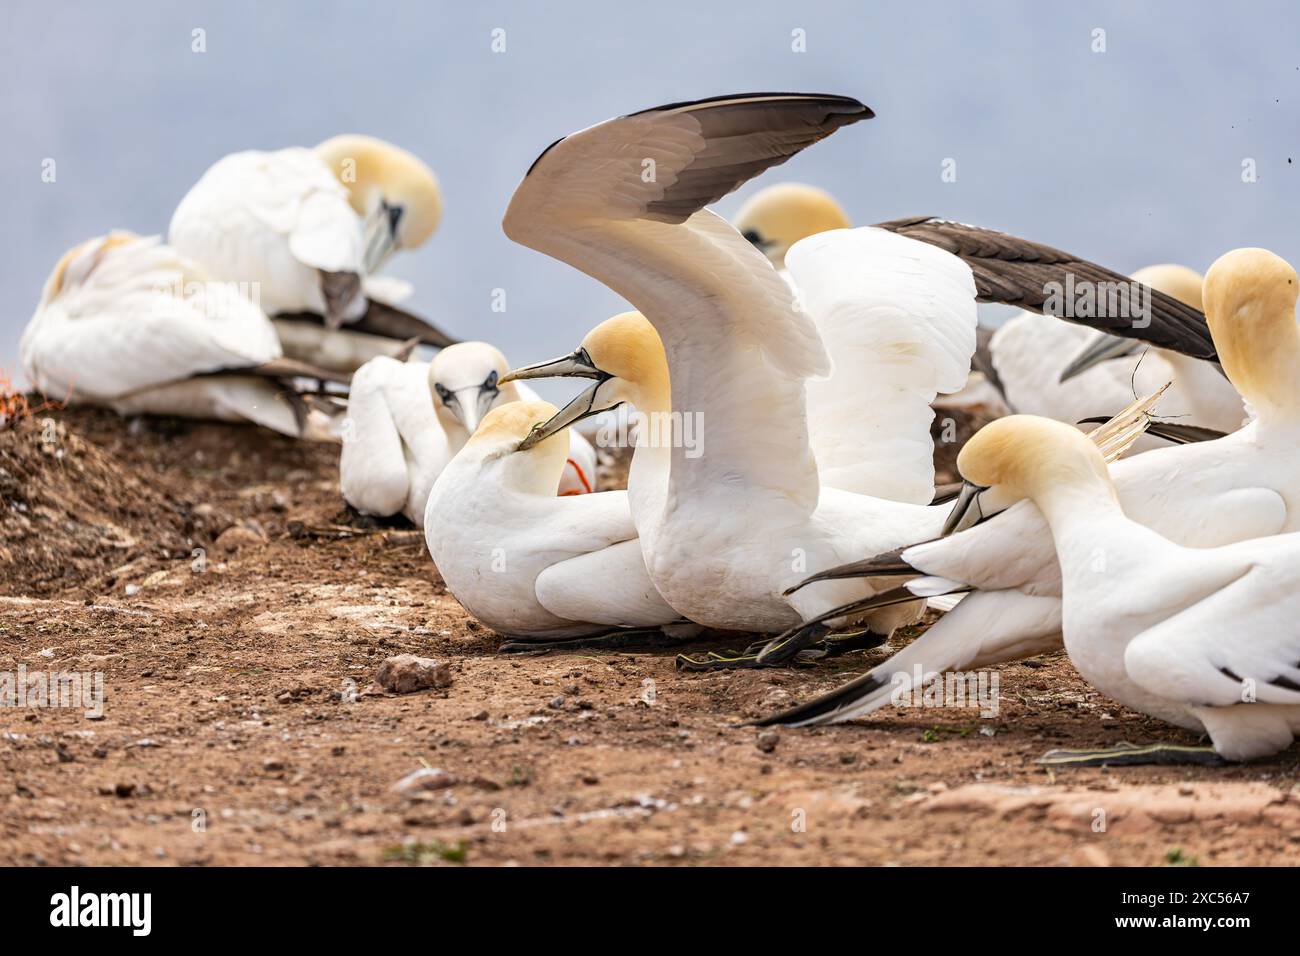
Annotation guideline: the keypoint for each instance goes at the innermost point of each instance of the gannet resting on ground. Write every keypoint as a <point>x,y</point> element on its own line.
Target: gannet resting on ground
<point>1244,485</point>
<point>406,420</point>
<point>1020,365</point>
<point>306,229</point>
<point>1206,638</point>
<point>727,532</point>
<point>127,323</point>
<point>524,561</point>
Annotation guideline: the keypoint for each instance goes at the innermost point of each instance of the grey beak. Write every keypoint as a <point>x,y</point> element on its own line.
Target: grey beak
<point>966,510</point>
<point>381,236</point>
<point>1100,349</point>
<point>578,409</point>
<point>472,403</point>
<point>576,365</point>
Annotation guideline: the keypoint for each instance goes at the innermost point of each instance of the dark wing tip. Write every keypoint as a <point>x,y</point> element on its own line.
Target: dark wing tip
<point>842,104</point>
<point>543,153</point>
<point>845,109</point>
<point>827,704</point>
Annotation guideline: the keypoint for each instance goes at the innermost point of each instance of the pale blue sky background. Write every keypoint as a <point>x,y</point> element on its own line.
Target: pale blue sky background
<point>1129,156</point>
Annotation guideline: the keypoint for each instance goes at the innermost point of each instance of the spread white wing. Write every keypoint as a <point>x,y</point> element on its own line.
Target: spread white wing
<point>622,201</point>
<point>899,319</point>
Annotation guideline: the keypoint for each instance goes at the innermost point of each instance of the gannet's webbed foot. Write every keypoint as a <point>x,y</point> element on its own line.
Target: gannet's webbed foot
<point>786,646</point>
<point>834,645</point>
<point>615,638</point>
<point>1128,755</point>
<point>799,645</point>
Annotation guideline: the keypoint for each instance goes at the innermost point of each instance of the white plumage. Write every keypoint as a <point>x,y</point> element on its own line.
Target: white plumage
<point>1203,638</point>
<point>399,432</point>
<point>126,322</point>
<point>275,220</point>
<point>739,523</point>
<point>1201,495</point>
<point>898,319</point>
<point>521,559</point>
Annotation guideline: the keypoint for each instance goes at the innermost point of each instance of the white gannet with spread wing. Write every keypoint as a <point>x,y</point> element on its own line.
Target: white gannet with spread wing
<point>406,420</point>
<point>305,230</point>
<point>1244,485</point>
<point>524,561</point>
<point>1021,364</point>
<point>126,322</point>
<point>1207,639</point>
<point>730,527</point>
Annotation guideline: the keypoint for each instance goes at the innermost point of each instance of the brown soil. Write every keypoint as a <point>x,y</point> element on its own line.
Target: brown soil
<point>231,733</point>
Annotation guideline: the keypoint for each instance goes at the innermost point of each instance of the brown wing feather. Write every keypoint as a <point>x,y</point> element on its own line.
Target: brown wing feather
<point>1015,271</point>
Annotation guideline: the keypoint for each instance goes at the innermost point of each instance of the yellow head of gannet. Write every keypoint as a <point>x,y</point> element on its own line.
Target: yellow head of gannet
<point>465,381</point>
<point>625,357</point>
<point>1028,456</point>
<point>777,217</point>
<point>391,189</point>
<point>1250,298</point>
<point>532,466</point>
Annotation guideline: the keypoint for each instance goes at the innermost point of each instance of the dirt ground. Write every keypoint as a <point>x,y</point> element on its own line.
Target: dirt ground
<point>238,727</point>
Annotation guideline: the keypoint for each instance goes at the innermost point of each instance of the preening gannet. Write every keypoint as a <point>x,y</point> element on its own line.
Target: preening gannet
<point>305,230</point>
<point>524,561</point>
<point>1205,638</point>
<point>128,323</point>
<point>1032,354</point>
<point>406,420</point>
<point>1244,485</point>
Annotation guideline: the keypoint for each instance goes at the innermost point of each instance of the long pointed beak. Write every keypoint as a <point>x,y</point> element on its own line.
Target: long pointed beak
<point>966,510</point>
<point>1099,350</point>
<point>575,365</point>
<point>581,407</point>
<point>471,404</point>
<point>381,237</point>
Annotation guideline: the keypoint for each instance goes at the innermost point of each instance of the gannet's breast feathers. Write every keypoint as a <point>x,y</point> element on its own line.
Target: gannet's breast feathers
<point>258,199</point>
<point>124,312</point>
<point>1234,643</point>
<point>1015,271</point>
<point>899,318</point>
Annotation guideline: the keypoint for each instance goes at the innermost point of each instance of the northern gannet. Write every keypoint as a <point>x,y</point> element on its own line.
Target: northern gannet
<point>1024,359</point>
<point>1041,371</point>
<point>1204,638</point>
<point>407,419</point>
<point>522,560</point>
<point>305,230</point>
<point>733,526</point>
<point>126,322</point>
<point>1244,485</point>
